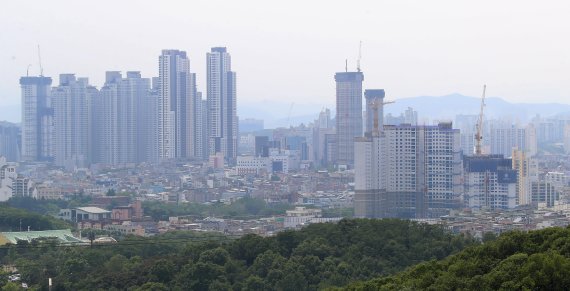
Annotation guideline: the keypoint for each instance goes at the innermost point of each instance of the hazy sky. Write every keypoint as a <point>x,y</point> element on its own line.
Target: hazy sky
<point>290,50</point>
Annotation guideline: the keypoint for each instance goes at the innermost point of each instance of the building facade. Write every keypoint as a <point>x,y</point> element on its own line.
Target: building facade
<point>37,119</point>
<point>72,121</point>
<point>374,96</point>
<point>10,141</point>
<point>176,110</point>
<point>222,106</point>
<point>490,182</point>
<point>348,115</point>
<point>408,171</point>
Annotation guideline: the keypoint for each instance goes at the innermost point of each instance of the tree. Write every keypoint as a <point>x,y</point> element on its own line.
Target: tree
<point>152,286</point>
<point>265,262</point>
<point>218,256</point>
<point>254,283</point>
<point>249,247</point>
<point>163,270</point>
<point>292,282</point>
<point>116,263</point>
<point>11,286</point>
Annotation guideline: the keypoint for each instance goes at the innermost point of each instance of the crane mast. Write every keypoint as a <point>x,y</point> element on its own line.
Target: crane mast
<point>359,57</point>
<point>479,129</point>
<point>375,104</point>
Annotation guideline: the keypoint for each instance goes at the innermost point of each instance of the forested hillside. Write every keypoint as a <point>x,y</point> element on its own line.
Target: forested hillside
<point>11,219</point>
<point>537,260</point>
<point>319,256</point>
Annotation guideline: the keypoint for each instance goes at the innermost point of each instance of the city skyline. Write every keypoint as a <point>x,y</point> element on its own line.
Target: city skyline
<point>412,43</point>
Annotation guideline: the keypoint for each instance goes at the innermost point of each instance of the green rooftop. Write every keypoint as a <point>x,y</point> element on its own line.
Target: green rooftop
<point>64,236</point>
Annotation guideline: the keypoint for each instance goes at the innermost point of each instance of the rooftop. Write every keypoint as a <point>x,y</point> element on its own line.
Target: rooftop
<point>64,236</point>
<point>95,210</point>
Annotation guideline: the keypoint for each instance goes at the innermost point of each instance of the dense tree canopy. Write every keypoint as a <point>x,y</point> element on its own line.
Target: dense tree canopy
<point>319,256</point>
<point>48,207</point>
<point>11,219</point>
<point>537,260</point>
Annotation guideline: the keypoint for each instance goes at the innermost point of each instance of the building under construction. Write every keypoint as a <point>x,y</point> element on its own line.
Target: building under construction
<point>408,171</point>
<point>490,182</point>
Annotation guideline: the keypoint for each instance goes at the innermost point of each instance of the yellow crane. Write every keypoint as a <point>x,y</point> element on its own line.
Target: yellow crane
<point>375,104</point>
<point>479,127</point>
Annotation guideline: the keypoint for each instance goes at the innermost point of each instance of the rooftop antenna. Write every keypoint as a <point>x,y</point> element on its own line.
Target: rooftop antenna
<point>28,70</point>
<point>346,65</point>
<point>40,61</point>
<point>359,57</point>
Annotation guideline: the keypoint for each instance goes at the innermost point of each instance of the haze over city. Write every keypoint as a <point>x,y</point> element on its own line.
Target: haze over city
<point>288,51</point>
<point>284,145</point>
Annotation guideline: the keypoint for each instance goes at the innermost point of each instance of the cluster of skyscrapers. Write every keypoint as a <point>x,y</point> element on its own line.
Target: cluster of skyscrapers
<point>401,168</point>
<point>132,119</point>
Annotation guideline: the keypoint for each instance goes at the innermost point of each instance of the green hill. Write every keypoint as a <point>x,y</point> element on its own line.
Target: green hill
<point>537,260</point>
<point>12,218</point>
<point>316,257</point>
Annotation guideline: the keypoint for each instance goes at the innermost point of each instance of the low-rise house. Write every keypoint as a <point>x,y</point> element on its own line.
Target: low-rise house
<point>85,213</point>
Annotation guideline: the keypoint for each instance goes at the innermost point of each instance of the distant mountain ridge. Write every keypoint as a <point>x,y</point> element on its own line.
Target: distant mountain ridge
<point>446,107</point>
<point>275,113</point>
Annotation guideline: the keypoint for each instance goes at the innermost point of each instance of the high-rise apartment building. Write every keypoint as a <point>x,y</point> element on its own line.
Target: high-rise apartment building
<point>222,114</point>
<point>148,124</point>
<point>10,139</point>
<point>407,171</point>
<point>504,137</point>
<point>370,184</point>
<point>374,96</point>
<point>119,125</point>
<point>176,110</point>
<point>348,114</point>
<point>37,119</point>
<point>424,170</point>
<point>490,182</point>
<point>72,120</point>
<point>527,173</point>
<point>7,177</point>
<point>466,125</point>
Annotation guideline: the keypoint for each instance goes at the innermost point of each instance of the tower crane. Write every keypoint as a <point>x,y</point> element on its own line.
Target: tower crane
<point>40,61</point>
<point>479,128</point>
<point>375,104</point>
<point>289,115</point>
<point>359,57</point>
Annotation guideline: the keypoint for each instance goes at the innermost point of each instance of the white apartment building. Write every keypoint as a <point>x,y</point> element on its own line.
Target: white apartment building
<point>120,125</point>
<point>408,172</point>
<point>222,104</point>
<point>176,106</point>
<point>253,165</point>
<point>71,102</point>
<point>7,177</point>
<point>12,184</point>
<point>300,216</point>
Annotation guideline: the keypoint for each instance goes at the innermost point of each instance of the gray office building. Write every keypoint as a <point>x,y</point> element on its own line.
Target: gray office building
<point>348,114</point>
<point>37,119</point>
